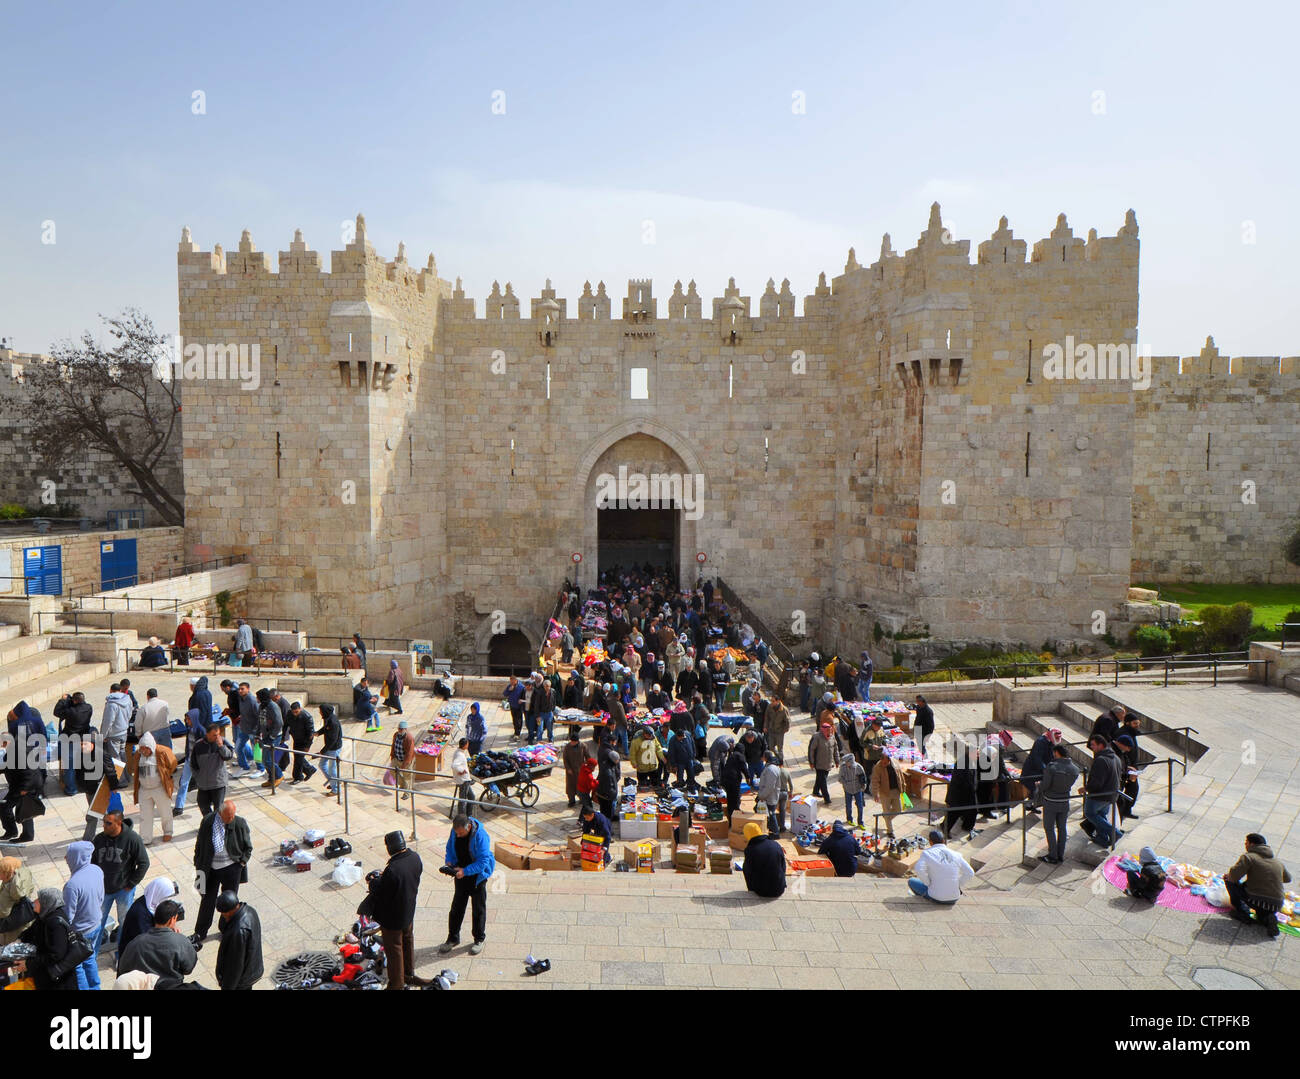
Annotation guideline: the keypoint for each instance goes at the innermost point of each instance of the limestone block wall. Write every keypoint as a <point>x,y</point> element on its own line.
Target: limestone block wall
<point>326,473</point>
<point>1216,469</point>
<point>158,552</point>
<point>986,500</point>
<point>749,416</point>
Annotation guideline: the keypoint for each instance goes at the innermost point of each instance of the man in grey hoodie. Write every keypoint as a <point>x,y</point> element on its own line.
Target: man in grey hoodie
<point>83,900</point>
<point>1053,794</point>
<point>115,720</point>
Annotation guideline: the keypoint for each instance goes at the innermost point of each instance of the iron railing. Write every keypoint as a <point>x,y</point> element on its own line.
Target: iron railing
<point>1138,665</point>
<point>373,644</point>
<point>1284,626</point>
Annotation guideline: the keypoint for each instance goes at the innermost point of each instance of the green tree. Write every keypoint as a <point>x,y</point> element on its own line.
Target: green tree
<point>111,399</point>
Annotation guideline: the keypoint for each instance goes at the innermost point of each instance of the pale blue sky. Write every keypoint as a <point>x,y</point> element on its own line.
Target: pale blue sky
<point>675,113</point>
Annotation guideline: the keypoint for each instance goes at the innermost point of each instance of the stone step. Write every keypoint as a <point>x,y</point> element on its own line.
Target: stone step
<point>43,692</point>
<point>9,631</point>
<point>13,676</point>
<point>13,649</point>
<point>1292,683</point>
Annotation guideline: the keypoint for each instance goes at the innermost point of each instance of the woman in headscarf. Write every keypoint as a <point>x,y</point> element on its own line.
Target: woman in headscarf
<point>961,790</point>
<point>139,916</point>
<point>54,966</point>
<point>1039,758</point>
<point>394,687</point>
<point>17,894</point>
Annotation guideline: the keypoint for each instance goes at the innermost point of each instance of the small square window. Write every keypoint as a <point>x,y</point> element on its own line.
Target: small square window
<point>640,384</point>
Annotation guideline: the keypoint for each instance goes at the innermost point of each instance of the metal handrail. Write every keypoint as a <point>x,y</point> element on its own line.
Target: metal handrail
<point>25,579</point>
<point>1284,626</point>
<point>372,644</point>
<point>155,602</point>
<point>265,623</point>
<point>1212,660</point>
<point>453,798</point>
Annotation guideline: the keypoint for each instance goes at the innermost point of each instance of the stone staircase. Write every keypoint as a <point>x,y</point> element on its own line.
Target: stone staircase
<point>999,842</point>
<point>31,669</point>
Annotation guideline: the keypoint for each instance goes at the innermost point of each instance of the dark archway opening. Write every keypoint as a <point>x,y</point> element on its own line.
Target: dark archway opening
<point>510,653</point>
<point>628,537</point>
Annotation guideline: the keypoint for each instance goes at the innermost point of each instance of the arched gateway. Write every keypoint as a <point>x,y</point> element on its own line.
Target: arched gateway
<point>644,493</point>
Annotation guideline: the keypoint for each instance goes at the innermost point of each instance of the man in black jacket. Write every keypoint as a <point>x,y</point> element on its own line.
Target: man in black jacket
<point>842,849</point>
<point>764,867</point>
<point>74,715</point>
<point>239,956</point>
<point>332,731</point>
<point>1108,724</point>
<point>302,728</point>
<point>393,907</point>
<point>1101,792</point>
<point>221,853</point>
<point>924,722</point>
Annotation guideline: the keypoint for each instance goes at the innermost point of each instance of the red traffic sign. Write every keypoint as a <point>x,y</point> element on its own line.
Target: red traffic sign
<point>577,556</point>
<point>701,558</point>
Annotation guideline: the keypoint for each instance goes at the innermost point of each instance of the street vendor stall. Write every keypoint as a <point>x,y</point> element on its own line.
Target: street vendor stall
<point>431,754</point>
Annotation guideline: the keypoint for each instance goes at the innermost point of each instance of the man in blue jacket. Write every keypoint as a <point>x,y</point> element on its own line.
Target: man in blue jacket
<point>469,853</point>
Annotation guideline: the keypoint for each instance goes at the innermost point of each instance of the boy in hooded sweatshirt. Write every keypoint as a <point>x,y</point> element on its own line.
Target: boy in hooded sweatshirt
<point>83,901</point>
<point>1148,881</point>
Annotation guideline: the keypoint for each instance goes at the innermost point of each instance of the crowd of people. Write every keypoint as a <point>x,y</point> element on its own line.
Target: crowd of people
<point>663,649</point>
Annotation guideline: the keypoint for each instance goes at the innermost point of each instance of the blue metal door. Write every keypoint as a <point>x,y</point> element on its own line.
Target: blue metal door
<point>43,568</point>
<point>117,565</point>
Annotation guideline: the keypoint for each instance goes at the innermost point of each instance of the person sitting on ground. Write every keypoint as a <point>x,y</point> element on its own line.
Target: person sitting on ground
<point>1148,881</point>
<point>940,872</point>
<point>1255,882</point>
<point>841,848</point>
<point>153,654</point>
<point>764,867</point>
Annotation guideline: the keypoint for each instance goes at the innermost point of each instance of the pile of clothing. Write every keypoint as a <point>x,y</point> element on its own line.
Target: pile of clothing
<point>738,654</point>
<point>491,763</point>
<point>453,710</point>
<point>592,654</point>
<point>540,756</point>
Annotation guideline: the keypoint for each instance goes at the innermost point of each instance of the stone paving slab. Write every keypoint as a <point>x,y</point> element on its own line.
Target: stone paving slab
<point>1035,929</point>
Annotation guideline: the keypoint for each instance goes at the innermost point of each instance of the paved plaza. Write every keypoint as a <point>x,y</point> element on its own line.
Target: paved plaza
<point>1016,928</point>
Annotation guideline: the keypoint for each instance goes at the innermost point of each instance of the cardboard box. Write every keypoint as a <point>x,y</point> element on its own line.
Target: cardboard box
<point>803,813</point>
<point>512,855</point>
<point>720,861</point>
<point>549,858</point>
<point>689,859</point>
<point>740,818</point>
<point>715,829</point>
<point>664,829</point>
<point>812,867</point>
<point>630,830</point>
<point>632,852</point>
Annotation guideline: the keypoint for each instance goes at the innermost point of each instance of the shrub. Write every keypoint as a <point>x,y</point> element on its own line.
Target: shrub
<point>1291,549</point>
<point>1187,638</point>
<point>878,633</point>
<point>1227,628</point>
<point>898,657</point>
<point>1152,640</point>
<point>11,511</point>
<point>1004,664</point>
<point>222,600</point>
<point>1292,616</point>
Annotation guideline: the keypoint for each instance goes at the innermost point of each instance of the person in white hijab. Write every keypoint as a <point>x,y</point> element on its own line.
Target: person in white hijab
<point>154,790</point>
<point>139,916</point>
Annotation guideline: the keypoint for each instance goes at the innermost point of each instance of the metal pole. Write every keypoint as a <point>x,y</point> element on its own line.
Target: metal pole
<point>1216,672</point>
<point>1169,788</point>
<point>1166,674</point>
<point>1067,674</point>
<point>413,835</point>
<point>346,814</point>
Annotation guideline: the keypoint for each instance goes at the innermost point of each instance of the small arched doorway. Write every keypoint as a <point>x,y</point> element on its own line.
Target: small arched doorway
<point>510,653</point>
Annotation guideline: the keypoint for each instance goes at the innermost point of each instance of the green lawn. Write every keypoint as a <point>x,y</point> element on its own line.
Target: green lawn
<point>1271,601</point>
